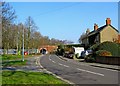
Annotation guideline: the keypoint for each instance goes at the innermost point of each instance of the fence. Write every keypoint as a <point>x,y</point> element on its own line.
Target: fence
<point>108,60</point>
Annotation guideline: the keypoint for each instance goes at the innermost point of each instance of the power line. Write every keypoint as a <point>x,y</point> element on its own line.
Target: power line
<point>55,10</point>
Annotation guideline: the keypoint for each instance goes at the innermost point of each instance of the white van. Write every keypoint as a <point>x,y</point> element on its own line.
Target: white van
<point>78,50</point>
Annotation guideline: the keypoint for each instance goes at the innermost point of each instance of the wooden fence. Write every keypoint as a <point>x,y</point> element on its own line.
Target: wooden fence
<point>108,60</point>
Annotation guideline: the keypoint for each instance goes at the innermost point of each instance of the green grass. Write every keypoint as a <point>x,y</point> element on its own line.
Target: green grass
<point>14,63</point>
<point>13,57</point>
<point>10,57</point>
<point>21,77</point>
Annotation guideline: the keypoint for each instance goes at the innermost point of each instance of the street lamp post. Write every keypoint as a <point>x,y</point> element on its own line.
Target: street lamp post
<point>23,45</point>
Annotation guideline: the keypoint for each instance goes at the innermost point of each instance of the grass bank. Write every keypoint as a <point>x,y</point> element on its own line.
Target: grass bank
<point>14,63</point>
<point>13,57</point>
<point>21,77</point>
<point>12,60</point>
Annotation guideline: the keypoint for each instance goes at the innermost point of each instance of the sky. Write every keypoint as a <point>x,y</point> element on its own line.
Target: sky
<point>66,20</point>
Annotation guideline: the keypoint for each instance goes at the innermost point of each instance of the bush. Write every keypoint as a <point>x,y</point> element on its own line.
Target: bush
<point>89,58</point>
<point>112,47</point>
<point>103,53</point>
<point>94,47</point>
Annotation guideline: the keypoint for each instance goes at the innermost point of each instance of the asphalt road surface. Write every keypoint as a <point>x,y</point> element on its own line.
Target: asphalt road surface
<point>77,72</point>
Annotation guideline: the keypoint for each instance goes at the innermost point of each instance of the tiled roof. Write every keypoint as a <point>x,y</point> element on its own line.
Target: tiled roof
<point>100,29</point>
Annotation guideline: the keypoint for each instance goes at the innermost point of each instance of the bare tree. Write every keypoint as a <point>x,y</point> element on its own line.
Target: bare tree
<point>8,16</point>
<point>31,27</point>
<point>81,37</point>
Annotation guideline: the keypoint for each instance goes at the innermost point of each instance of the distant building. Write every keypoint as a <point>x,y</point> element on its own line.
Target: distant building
<point>47,48</point>
<point>101,34</point>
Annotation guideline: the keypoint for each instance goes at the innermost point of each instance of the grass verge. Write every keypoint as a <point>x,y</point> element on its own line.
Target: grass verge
<point>14,63</point>
<point>21,77</point>
<point>14,57</point>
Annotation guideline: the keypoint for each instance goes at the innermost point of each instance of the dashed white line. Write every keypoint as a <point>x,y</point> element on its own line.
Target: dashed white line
<point>65,66</point>
<point>53,61</point>
<point>50,59</point>
<point>78,68</point>
<point>90,72</point>
<point>60,64</point>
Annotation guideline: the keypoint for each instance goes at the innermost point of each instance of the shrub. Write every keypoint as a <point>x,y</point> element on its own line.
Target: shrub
<point>89,58</point>
<point>112,47</point>
<point>103,53</point>
<point>95,47</point>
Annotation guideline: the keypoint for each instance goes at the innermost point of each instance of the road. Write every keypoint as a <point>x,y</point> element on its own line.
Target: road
<point>77,72</point>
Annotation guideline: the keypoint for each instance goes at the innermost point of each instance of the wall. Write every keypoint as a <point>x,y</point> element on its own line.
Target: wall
<point>108,60</point>
<point>108,34</point>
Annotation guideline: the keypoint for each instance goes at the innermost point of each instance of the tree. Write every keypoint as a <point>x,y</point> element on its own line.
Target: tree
<point>84,35</point>
<point>8,16</point>
<point>36,36</point>
<point>31,27</point>
<point>81,37</point>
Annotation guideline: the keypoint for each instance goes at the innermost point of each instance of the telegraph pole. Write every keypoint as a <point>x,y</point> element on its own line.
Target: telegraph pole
<point>23,45</point>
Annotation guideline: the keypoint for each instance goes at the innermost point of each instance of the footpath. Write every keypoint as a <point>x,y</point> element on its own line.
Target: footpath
<point>107,66</point>
<point>33,64</point>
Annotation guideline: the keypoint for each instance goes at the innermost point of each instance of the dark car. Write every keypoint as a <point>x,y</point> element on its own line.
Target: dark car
<point>85,53</point>
<point>69,55</point>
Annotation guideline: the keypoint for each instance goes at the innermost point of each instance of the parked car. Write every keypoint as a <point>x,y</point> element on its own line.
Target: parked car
<point>25,53</point>
<point>85,53</point>
<point>68,55</point>
<point>78,51</point>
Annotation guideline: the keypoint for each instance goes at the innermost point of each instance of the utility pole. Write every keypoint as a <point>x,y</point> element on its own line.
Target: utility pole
<point>17,39</point>
<point>23,45</point>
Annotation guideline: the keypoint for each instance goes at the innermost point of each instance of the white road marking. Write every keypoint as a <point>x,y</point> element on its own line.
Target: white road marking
<point>38,61</point>
<point>53,61</point>
<point>90,72</point>
<point>60,64</point>
<point>65,66</point>
<point>92,66</point>
<point>49,58</point>
<point>59,58</point>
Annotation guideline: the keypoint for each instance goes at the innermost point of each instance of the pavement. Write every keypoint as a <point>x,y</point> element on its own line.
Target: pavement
<point>32,65</point>
<point>108,66</point>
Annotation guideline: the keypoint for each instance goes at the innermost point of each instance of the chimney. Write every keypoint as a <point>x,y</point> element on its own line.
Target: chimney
<point>87,31</point>
<point>95,27</point>
<point>108,21</point>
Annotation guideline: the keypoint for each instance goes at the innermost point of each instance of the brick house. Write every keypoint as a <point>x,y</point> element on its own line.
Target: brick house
<point>100,34</point>
<point>118,40</point>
